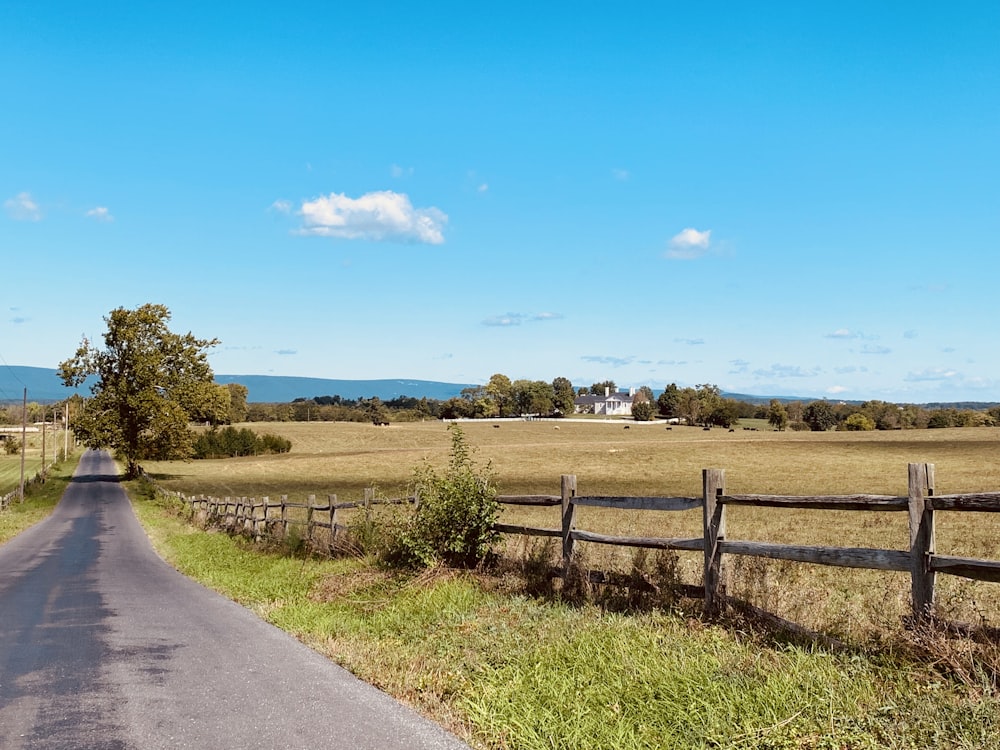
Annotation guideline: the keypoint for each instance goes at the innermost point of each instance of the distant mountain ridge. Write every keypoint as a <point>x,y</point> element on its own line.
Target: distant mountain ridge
<point>44,386</point>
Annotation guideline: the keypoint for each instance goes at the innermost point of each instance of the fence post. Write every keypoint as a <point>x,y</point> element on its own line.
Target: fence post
<point>921,486</point>
<point>263,520</point>
<point>567,489</point>
<point>714,514</point>
<point>284,516</point>
<point>332,500</point>
<point>310,502</point>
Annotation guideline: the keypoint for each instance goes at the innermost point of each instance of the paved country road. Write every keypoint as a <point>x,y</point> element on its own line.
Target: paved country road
<point>103,645</point>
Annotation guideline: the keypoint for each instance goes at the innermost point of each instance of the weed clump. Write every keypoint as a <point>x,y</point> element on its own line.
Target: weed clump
<point>454,517</point>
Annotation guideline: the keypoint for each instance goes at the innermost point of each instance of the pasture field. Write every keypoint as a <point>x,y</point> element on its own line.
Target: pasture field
<point>10,466</point>
<point>648,459</point>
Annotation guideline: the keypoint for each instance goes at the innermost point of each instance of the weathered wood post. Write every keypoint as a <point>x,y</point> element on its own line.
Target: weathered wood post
<point>714,515</point>
<point>310,502</point>
<point>921,486</point>
<point>332,500</point>
<point>567,489</point>
<point>284,516</point>
<point>263,520</point>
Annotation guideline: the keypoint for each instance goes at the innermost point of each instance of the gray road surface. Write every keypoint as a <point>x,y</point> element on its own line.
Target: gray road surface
<point>104,646</point>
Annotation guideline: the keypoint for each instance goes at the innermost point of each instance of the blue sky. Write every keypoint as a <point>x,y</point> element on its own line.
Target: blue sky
<point>781,198</point>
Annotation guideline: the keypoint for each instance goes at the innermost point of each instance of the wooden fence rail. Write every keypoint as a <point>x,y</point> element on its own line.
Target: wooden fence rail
<point>920,559</point>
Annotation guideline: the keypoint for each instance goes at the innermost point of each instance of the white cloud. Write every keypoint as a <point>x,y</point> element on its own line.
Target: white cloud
<point>400,172</point>
<point>787,371</point>
<point>621,175</point>
<point>281,206</point>
<point>381,215</point>
<point>22,207</point>
<point>872,349</point>
<point>689,244</point>
<point>933,373</point>
<point>100,213</point>
<point>843,333</point>
<point>484,187</point>
<point>547,316</point>
<point>836,389</point>
<point>605,360</point>
<point>503,321</point>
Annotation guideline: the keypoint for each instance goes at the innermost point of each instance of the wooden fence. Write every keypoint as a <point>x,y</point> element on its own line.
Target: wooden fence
<point>921,560</point>
<point>261,518</point>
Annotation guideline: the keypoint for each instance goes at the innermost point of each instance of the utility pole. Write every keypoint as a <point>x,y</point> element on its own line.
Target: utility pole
<point>24,442</point>
<point>66,432</point>
<point>42,473</point>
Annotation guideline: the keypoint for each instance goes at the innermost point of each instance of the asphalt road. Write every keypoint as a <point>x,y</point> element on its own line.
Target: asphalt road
<point>104,646</point>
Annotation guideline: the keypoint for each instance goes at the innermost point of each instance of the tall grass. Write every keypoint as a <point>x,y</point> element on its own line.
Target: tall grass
<point>528,457</point>
<point>516,672</point>
<point>39,500</point>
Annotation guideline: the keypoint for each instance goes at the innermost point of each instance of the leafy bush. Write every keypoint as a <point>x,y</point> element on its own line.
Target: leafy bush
<point>12,446</point>
<point>453,522</point>
<point>230,442</point>
<point>642,411</point>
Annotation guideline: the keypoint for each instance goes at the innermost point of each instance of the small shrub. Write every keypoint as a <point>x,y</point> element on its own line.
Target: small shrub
<point>453,522</point>
<point>13,446</point>
<point>230,442</point>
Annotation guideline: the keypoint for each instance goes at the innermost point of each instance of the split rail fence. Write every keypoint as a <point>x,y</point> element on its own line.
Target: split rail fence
<point>921,560</point>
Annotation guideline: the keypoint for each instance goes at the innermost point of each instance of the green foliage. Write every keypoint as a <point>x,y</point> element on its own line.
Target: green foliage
<point>453,522</point>
<point>564,396</point>
<point>667,401</point>
<point>777,415</point>
<point>151,382</point>
<point>642,411</point>
<point>859,422</point>
<point>230,442</point>
<point>819,415</point>
<point>12,446</point>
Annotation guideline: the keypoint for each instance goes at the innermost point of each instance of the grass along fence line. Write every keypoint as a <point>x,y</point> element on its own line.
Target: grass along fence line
<point>324,528</point>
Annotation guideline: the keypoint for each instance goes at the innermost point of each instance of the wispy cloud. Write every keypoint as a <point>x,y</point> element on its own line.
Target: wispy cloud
<point>739,366</point>
<point>843,333</point>
<point>787,371</point>
<point>835,390</point>
<point>516,318</point>
<point>505,320</point>
<point>281,206</point>
<point>100,213</point>
<point>689,244</point>
<point>400,172</point>
<point>286,352</point>
<point>378,216</point>
<point>872,349</point>
<point>18,320</point>
<point>622,175</point>
<point>690,342</point>
<point>605,360</point>
<point>22,207</point>
<point>932,374</point>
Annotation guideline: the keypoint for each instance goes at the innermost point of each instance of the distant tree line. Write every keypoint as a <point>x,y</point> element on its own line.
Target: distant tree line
<point>702,405</point>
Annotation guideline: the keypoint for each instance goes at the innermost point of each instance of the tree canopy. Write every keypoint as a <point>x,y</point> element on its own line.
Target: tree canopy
<point>151,383</point>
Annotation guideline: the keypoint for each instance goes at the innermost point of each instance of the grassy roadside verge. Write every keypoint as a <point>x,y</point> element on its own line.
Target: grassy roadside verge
<point>513,672</point>
<point>39,500</point>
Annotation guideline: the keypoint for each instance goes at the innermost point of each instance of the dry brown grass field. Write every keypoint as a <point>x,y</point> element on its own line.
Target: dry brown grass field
<point>647,459</point>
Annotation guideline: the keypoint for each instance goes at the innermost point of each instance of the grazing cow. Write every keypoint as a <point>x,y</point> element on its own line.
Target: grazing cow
<point>496,427</point>
<point>668,428</point>
<point>731,429</point>
<point>626,427</point>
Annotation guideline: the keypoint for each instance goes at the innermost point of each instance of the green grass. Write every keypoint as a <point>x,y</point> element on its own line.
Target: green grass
<point>528,457</point>
<point>508,671</point>
<point>39,500</point>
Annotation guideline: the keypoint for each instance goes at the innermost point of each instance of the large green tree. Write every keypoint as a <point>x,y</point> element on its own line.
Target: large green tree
<point>150,382</point>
